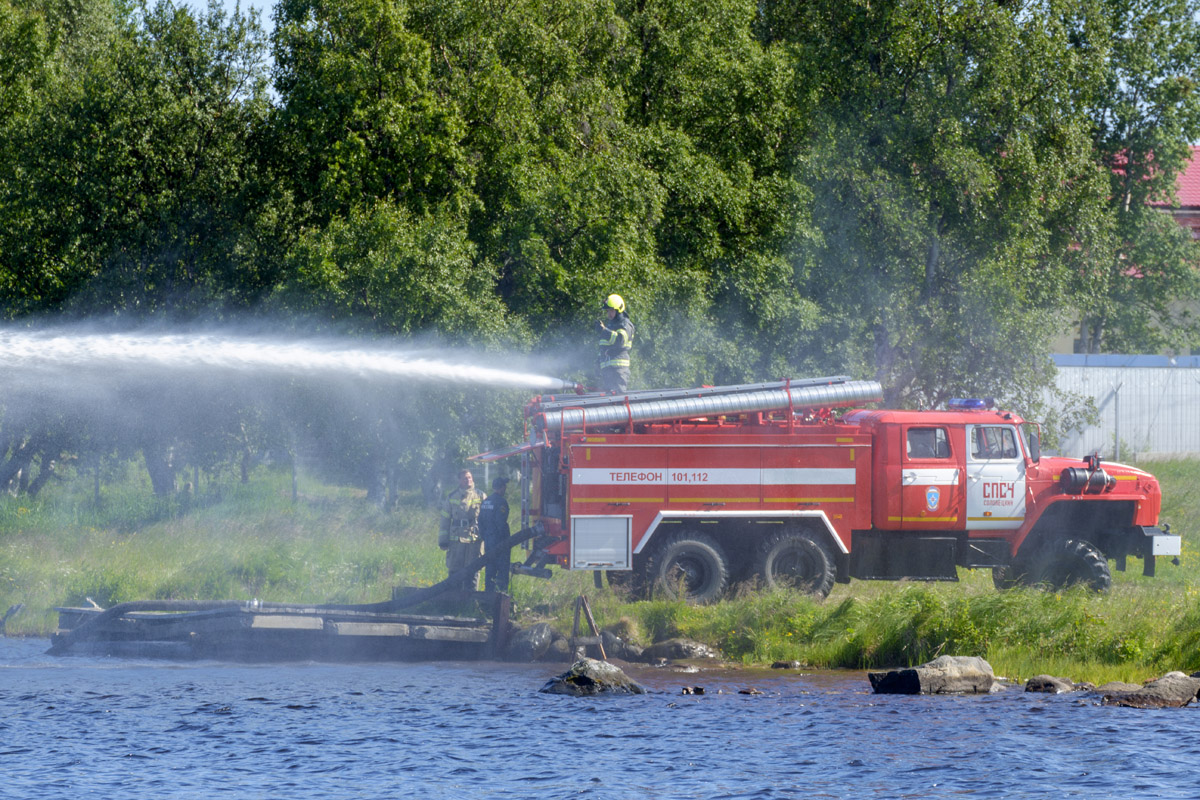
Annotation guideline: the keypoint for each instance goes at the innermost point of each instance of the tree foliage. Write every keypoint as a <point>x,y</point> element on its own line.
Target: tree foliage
<point>920,191</point>
<point>1137,294</point>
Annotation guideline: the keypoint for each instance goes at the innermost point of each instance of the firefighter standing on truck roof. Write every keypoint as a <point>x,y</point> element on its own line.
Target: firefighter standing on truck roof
<point>616,341</point>
<point>458,533</point>
<point>493,527</point>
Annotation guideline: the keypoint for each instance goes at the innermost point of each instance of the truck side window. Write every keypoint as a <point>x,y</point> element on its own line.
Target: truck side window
<point>928,443</point>
<point>993,442</point>
<point>1009,440</point>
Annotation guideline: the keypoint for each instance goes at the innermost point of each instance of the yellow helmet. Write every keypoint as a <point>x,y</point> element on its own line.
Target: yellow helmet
<point>614,301</point>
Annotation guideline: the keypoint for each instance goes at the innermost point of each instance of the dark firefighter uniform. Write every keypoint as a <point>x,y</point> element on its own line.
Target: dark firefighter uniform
<point>458,533</point>
<point>616,342</point>
<point>493,527</point>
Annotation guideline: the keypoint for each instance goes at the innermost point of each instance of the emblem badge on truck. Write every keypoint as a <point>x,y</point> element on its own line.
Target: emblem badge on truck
<point>931,498</point>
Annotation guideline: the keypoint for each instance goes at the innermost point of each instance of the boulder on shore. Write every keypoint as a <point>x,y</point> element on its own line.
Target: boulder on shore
<point>1173,690</point>
<point>588,676</point>
<point>617,647</point>
<point>943,675</point>
<point>529,644</point>
<point>678,650</point>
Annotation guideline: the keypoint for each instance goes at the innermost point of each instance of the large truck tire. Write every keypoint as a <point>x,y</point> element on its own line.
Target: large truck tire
<point>692,567</point>
<point>1075,561</point>
<point>1007,577</point>
<point>1058,565</point>
<point>796,560</point>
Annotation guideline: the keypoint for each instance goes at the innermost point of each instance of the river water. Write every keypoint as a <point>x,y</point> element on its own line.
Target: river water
<point>107,728</point>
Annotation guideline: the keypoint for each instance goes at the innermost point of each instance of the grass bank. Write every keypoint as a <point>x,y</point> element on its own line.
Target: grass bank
<point>244,541</point>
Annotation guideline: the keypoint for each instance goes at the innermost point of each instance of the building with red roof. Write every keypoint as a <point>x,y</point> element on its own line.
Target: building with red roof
<point>1188,195</point>
<point>1186,212</point>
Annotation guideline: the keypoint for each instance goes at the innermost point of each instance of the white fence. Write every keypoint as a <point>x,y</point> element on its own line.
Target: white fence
<point>1149,405</point>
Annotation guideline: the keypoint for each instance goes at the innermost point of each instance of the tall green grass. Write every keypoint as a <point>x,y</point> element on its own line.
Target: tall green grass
<point>1131,633</point>
<point>234,541</point>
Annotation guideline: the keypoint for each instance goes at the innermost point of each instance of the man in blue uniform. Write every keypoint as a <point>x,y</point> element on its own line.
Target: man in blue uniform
<point>493,526</point>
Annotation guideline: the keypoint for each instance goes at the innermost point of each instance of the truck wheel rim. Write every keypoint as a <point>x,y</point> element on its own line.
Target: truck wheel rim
<point>796,569</point>
<point>689,570</point>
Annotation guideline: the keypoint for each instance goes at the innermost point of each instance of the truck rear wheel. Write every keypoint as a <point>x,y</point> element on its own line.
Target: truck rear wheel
<point>1059,564</point>
<point>795,560</point>
<point>691,566</point>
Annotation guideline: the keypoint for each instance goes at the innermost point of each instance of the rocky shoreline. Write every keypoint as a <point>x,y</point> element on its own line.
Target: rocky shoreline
<point>944,675</point>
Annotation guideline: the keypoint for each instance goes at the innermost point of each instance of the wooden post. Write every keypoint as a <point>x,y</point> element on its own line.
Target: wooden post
<point>581,604</point>
<point>500,617</point>
<point>575,654</point>
<point>587,611</point>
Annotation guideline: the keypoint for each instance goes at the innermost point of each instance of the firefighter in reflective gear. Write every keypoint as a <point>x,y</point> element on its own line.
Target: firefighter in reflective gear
<point>493,527</point>
<point>616,341</point>
<point>458,533</point>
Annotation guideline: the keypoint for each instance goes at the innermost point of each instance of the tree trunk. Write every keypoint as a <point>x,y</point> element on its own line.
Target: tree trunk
<point>17,464</point>
<point>160,468</point>
<point>45,473</point>
<point>932,257</point>
<point>1091,333</point>
<point>885,362</point>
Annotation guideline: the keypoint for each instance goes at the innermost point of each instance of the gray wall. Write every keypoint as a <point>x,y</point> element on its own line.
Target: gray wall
<point>1151,403</point>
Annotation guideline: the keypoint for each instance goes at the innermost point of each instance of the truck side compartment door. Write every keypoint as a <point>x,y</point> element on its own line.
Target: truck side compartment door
<point>995,478</point>
<point>610,480</point>
<point>931,480</point>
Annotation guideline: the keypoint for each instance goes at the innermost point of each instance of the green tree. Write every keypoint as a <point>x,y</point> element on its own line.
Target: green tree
<point>566,207</point>
<point>1139,293</point>
<point>134,185</point>
<point>358,120</point>
<point>724,134</point>
<point>953,184</point>
<point>382,270</point>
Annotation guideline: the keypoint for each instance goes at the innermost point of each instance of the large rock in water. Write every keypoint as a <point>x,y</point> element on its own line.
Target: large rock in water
<point>943,675</point>
<point>587,676</point>
<point>1173,690</point>
<point>1049,684</point>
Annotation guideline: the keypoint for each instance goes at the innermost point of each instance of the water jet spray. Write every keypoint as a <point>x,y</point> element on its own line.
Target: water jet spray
<point>43,353</point>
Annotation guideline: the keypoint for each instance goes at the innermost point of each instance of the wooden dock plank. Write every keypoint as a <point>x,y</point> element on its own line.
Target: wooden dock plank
<point>443,634</point>
<point>368,629</point>
<point>287,622</point>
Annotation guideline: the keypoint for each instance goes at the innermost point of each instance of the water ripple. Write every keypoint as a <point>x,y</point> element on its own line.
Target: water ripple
<point>104,728</point>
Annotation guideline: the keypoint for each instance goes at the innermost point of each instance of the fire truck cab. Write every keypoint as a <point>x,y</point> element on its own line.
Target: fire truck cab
<point>691,492</point>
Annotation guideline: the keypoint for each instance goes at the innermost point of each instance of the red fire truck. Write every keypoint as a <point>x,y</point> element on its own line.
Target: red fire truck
<point>692,491</point>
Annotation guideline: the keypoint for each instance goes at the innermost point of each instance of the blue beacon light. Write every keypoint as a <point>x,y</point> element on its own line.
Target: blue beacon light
<point>968,403</point>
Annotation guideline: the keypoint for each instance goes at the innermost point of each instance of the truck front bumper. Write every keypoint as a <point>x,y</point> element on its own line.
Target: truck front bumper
<point>1162,542</point>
